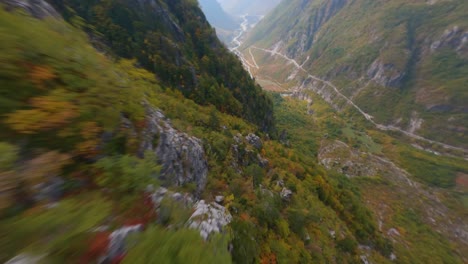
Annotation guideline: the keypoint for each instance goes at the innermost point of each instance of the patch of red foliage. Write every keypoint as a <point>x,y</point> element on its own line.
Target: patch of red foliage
<point>142,212</point>
<point>118,259</point>
<point>269,258</point>
<point>98,246</point>
<point>462,180</point>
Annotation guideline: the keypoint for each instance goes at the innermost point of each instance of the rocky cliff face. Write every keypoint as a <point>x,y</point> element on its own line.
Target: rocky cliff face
<point>182,156</point>
<point>315,22</point>
<point>385,74</point>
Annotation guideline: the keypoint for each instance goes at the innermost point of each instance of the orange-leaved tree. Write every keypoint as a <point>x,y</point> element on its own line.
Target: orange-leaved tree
<point>47,112</point>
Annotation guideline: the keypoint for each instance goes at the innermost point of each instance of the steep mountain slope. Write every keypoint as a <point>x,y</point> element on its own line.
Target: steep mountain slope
<point>403,63</point>
<point>174,40</point>
<point>104,161</point>
<point>251,7</point>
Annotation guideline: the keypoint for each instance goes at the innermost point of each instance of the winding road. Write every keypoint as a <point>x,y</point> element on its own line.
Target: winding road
<point>350,102</point>
<point>237,43</point>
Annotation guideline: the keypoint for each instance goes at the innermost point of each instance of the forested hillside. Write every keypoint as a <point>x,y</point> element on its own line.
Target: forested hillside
<point>174,40</point>
<point>112,152</point>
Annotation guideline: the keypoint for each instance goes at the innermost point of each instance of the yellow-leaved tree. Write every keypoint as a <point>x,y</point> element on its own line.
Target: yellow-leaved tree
<point>48,112</point>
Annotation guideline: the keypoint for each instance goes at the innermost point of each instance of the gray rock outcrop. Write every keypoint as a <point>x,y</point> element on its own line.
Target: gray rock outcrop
<point>51,190</point>
<point>244,155</point>
<point>117,245</point>
<point>219,199</point>
<point>254,140</point>
<point>286,194</point>
<point>182,156</point>
<point>385,74</point>
<point>454,37</point>
<point>185,199</point>
<point>209,218</point>
<point>37,8</point>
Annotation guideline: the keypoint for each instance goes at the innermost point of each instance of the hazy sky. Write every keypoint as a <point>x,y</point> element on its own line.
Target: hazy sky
<point>251,7</point>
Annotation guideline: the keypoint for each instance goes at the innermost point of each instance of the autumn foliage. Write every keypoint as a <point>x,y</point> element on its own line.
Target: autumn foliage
<point>48,112</point>
<point>41,74</point>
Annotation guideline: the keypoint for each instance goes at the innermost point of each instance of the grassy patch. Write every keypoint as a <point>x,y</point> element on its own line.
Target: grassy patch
<point>433,170</point>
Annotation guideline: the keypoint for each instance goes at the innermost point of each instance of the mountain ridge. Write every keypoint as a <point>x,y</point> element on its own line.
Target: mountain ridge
<point>179,46</point>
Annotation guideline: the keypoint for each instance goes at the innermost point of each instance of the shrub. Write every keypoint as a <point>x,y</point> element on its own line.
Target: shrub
<point>127,174</point>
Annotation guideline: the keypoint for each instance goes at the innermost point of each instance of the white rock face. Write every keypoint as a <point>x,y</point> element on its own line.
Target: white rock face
<point>209,218</point>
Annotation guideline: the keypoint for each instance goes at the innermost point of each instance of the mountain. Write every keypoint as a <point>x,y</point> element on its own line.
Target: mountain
<point>129,134</point>
<point>253,7</point>
<point>174,40</point>
<point>225,24</point>
<point>217,16</point>
<point>404,64</point>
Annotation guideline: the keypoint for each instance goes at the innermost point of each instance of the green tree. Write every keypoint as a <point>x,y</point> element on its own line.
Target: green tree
<point>127,174</point>
<point>62,227</point>
<point>256,172</point>
<point>214,120</point>
<point>244,242</point>
<point>8,157</point>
